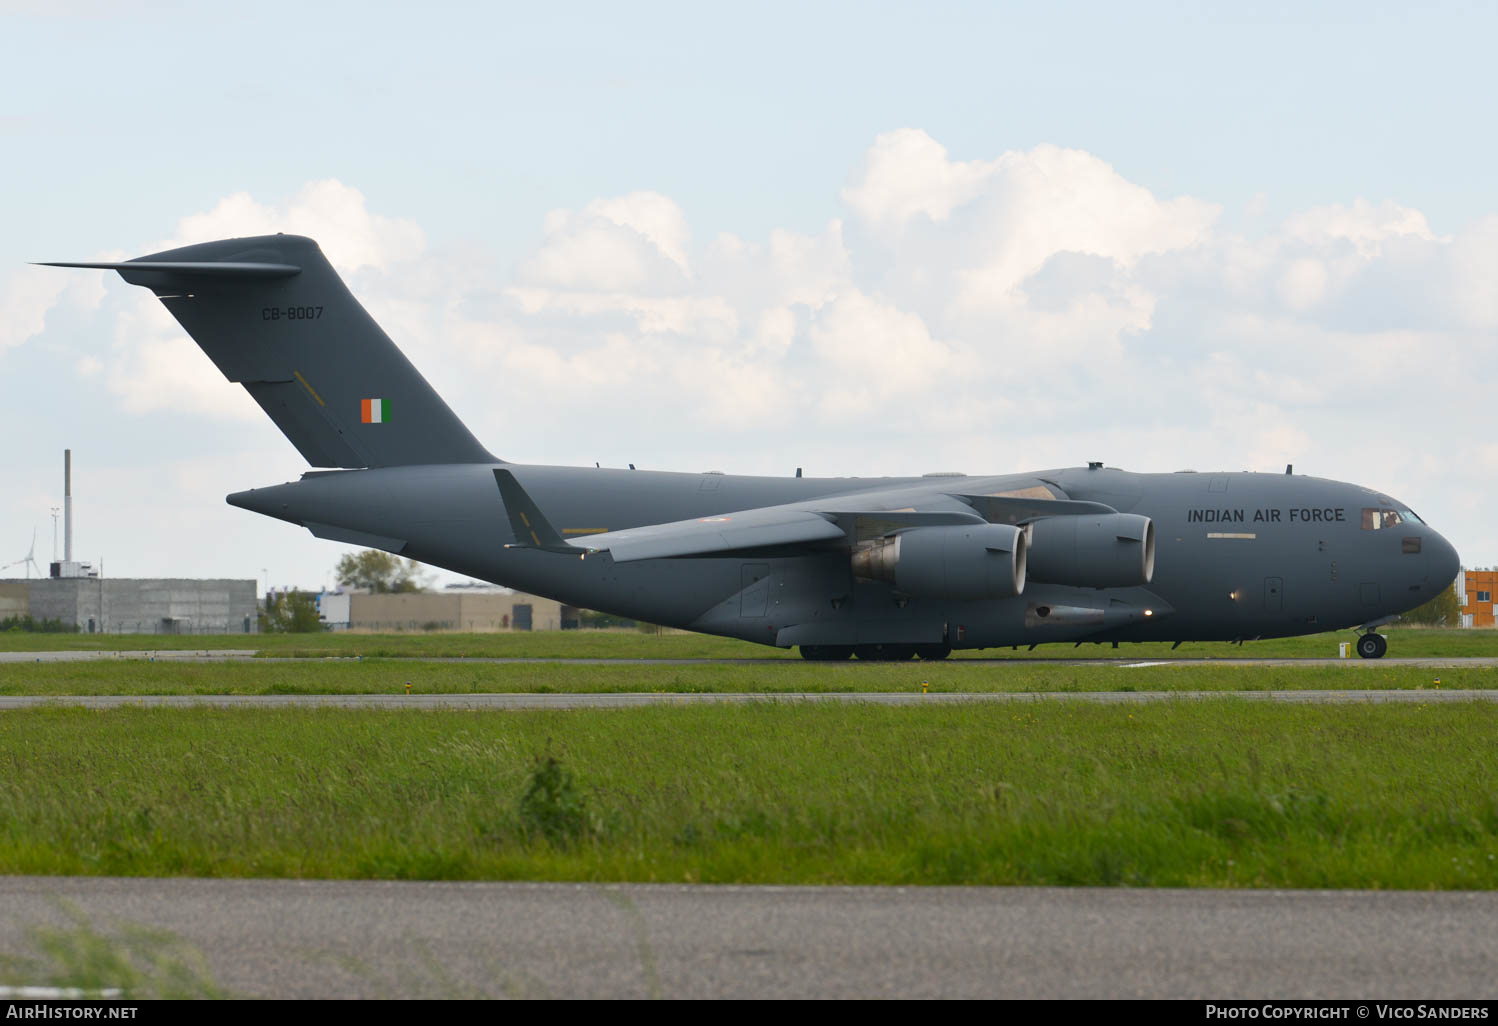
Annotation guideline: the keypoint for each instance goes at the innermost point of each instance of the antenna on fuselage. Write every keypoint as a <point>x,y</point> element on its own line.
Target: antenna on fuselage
<point>1289,468</point>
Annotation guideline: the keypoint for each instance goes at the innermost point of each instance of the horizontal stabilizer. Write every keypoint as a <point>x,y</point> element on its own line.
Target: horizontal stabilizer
<point>191,268</point>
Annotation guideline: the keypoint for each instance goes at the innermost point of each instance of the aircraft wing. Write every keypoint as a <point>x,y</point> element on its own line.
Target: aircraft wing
<point>748,529</point>
<point>798,524</point>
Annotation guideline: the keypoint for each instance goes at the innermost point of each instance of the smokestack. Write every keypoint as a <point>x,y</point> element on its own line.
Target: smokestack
<point>67,504</point>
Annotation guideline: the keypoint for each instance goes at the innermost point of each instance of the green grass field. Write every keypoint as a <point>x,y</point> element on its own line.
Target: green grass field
<point>1407,641</point>
<point>1200,793</point>
<point>388,676</point>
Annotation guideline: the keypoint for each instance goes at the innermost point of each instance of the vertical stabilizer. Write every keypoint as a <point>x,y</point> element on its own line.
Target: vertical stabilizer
<point>274,316</point>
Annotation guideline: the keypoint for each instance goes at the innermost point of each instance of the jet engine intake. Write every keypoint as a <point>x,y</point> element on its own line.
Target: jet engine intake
<point>1108,550</point>
<point>967,561</point>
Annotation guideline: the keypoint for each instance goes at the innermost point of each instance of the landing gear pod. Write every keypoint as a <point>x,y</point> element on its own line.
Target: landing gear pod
<point>1111,550</point>
<point>974,561</point>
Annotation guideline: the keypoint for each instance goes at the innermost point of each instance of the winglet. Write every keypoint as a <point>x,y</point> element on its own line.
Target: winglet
<point>532,529</point>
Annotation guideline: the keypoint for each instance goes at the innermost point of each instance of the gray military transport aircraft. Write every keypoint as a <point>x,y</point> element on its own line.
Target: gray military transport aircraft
<point>881,568</point>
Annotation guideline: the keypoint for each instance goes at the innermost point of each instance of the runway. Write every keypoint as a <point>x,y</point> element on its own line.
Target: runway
<point>345,939</point>
<point>630,700</point>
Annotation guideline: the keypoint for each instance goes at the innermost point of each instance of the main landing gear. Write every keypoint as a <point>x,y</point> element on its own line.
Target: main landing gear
<point>1372,646</point>
<point>875,653</point>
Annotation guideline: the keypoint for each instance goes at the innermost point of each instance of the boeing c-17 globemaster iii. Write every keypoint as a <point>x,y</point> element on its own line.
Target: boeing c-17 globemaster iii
<point>880,568</point>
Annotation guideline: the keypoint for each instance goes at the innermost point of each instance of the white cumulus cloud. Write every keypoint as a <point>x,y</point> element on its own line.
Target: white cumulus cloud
<point>1031,308</point>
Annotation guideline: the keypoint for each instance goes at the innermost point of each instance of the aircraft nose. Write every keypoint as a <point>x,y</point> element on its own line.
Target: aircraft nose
<point>1444,562</point>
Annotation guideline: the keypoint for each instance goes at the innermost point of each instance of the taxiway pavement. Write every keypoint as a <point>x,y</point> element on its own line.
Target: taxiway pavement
<point>239,655</point>
<point>341,939</point>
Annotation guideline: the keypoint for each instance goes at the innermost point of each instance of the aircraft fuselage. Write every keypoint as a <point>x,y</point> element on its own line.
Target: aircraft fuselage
<point>1238,555</point>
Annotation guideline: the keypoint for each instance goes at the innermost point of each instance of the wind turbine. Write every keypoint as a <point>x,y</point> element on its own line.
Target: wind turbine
<point>30,559</point>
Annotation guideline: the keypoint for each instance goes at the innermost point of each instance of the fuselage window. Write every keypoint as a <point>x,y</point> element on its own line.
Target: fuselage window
<point>1378,519</point>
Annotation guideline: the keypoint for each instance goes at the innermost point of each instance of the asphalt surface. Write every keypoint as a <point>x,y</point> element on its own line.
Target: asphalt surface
<point>339,939</point>
<point>165,655</point>
<point>628,700</point>
<point>238,655</point>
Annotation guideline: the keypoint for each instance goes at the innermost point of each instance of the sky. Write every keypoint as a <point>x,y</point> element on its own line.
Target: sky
<point>858,238</point>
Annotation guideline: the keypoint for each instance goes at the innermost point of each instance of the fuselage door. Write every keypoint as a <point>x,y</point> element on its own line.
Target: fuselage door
<point>1274,594</point>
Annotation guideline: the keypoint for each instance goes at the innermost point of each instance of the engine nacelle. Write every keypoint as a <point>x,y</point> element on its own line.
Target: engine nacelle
<point>1112,550</point>
<point>965,561</point>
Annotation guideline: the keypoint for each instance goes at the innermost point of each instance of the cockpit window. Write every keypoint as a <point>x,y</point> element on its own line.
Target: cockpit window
<point>1378,519</point>
<point>1410,515</point>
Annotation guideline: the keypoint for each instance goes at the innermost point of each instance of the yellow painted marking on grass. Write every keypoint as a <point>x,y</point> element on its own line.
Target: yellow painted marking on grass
<point>310,390</point>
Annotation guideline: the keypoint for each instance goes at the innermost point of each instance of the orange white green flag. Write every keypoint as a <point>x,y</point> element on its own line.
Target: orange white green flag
<point>374,411</point>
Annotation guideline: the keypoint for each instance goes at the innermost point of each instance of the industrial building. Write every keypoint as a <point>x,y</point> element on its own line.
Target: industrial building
<point>125,605</point>
<point>78,596</point>
<point>1475,590</point>
<point>458,610</point>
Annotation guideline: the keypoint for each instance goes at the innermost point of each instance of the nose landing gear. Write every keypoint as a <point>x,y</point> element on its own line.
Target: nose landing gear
<point>1372,646</point>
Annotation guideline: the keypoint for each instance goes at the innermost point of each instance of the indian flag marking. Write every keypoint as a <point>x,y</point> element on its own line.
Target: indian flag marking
<point>374,411</point>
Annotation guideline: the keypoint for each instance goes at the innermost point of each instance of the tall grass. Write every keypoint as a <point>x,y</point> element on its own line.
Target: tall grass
<point>1191,793</point>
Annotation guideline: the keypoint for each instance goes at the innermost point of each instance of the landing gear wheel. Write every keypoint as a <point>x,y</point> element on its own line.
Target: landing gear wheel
<point>884,653</point>
<point>1372,646</point>
<point>826,653</point>
<point>932,653</point>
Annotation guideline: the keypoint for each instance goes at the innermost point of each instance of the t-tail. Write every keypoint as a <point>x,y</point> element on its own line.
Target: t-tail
<point>274,316</point>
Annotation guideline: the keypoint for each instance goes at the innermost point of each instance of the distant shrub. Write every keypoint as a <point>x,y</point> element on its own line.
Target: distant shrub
<point>1445,610</point>
<point>290,612</point>
<point>31,625</point>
